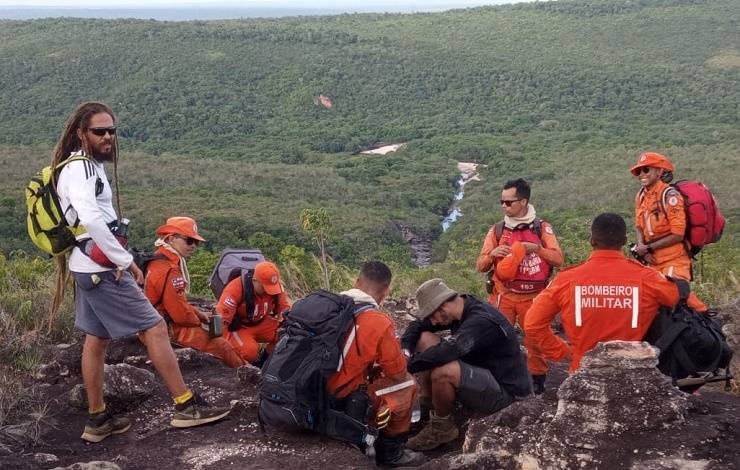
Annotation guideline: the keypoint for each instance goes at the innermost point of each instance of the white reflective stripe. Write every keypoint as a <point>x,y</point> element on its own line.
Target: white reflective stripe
<point>350,338</point>
<point>235,335</point>
<point>579,321</point>
<point>395,388</point>
<point>635,306</point>
<point>498,301</point>
<point>670,271</point>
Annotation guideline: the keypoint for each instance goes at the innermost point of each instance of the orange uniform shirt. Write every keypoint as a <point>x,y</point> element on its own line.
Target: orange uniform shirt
<point>164,286</point>
<point>232,303</point>
<point>654,221</point>
<point>374,341</point>
<point>550,253</point>
<point>606,298</point>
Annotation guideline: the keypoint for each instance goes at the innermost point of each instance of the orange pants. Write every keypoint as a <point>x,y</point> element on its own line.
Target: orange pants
<point>197,338</point>
<point>399,402</point>
<point>514,308</point>
<point>246,340</point>
<point>681,267</point>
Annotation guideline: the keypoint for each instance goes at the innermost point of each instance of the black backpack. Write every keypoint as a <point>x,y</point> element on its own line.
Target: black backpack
<point>293,393</point>
<point>142,258</point>
<point>691,344</point>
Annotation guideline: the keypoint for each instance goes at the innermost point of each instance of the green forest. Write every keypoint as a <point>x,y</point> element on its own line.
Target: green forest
<point>243,124</point>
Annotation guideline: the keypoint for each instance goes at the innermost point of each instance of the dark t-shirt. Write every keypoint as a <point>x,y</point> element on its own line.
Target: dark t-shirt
<point>483,337</point>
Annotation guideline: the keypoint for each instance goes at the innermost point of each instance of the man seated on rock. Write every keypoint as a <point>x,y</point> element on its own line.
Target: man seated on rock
<point>251,318</point>
<point>480,365</point>
<point>609,297</point>
<point>167,284</point>
<point>374,347</point>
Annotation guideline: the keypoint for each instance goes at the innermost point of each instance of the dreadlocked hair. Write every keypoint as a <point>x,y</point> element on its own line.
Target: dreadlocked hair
<point>68,143</point>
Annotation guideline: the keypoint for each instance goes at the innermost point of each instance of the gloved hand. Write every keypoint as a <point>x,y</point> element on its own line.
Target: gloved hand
<point>383,417</point>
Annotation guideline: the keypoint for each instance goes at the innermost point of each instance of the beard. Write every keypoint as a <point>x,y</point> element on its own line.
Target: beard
<point>103,156</point>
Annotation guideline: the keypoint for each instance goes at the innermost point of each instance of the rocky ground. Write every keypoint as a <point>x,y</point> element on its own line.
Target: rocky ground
<point>617,412</point>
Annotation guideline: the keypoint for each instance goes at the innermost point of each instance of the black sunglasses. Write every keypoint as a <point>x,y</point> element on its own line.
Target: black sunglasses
<point>189,241</point>
<point>645,170</point>
<point>509,202</point>
<point>101,131</point>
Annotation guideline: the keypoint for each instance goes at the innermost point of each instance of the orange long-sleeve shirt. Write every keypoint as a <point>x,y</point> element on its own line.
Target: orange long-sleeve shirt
<point>550,252</point>
<point>372,341</point>
<point>232,303</point>
<point>164,286</point>
<point>606,298</point>
<point>655,221</point>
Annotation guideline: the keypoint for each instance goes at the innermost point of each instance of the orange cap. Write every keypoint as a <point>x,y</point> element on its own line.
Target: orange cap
<point>184,226</point>
<point>652,159</point>
<point>268,275</point>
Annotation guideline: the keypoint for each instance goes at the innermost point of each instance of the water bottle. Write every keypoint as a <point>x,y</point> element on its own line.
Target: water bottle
<point>122,228</point>
<point>121,232</point>
<point>215,326</point>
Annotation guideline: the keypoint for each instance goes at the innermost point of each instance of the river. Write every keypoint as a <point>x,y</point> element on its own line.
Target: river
<point>468,172</point>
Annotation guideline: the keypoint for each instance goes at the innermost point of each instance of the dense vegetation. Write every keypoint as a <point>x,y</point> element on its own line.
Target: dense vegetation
<point>222,120</point>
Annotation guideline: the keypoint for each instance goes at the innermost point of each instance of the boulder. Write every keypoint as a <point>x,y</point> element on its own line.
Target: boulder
<point>617,401</point>
<point>125,387</point>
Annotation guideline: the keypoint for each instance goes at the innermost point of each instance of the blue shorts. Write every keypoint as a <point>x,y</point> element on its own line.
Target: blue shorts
<point>107,308</point>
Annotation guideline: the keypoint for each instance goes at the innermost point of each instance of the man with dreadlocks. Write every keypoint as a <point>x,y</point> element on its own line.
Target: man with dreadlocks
<point>109,303</point>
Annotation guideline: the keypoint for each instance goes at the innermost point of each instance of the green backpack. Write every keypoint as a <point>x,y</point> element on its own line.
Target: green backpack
<point>47,225</point>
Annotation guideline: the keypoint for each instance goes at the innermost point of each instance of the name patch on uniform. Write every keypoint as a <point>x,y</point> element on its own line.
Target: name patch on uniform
<point>178,282</point>
<point>607,298</point>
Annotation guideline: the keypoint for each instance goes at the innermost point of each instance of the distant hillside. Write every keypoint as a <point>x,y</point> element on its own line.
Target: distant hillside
<point>557,92</point>
<point>619,69</point>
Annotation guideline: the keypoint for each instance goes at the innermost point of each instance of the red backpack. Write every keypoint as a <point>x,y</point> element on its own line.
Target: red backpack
<point>534,272</point>
<point>704,221</point>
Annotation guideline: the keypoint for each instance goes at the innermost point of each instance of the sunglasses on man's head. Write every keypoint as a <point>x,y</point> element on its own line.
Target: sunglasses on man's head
<point>509,202</point>
<point>101,131</point>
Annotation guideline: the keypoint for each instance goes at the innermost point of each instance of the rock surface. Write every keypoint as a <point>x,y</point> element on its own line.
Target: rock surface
<point>94,465</point>
<point>671,430</point>
<point>617,411</point>
<point>729,316</point>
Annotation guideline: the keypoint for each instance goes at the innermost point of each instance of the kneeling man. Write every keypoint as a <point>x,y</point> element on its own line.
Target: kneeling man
<point>480,365</point>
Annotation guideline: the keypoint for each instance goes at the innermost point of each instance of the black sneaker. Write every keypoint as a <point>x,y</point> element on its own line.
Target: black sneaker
<point>197,411</point>
<point>101,425</point>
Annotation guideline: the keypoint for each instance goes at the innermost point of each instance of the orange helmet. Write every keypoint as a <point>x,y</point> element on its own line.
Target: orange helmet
<point>652,159</point>
<point>184,226</point>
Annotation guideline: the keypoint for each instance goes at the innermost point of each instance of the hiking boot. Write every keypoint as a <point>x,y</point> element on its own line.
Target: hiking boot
<point>197,411</point>
<point>440,430</point>
<point>390,452</point>
<point>101,425</point>
<point>538,384</point>
<point>407,458</point>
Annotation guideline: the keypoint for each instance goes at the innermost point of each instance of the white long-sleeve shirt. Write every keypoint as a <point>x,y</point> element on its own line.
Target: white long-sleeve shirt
<point>76,187</point>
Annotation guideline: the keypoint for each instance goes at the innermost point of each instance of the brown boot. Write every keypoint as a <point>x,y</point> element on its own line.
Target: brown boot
<point>440,430</point>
